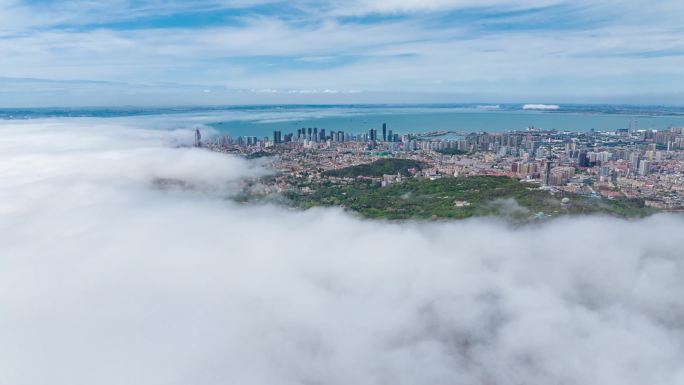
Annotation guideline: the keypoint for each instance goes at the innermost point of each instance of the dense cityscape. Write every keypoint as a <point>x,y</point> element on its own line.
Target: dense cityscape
<point>629,163</point>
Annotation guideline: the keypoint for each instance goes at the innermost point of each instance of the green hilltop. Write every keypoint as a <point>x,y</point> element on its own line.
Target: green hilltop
<point>461,197</point>
<point>389,166</point>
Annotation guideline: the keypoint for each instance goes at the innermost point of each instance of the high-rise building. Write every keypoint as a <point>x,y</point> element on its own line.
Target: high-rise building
<point>198,138</point>
<point>546,180</point>
<point>390,136</point>
<point>372,135</point>
<point>384,132</point>
<point>583,159</point>
<point>634,160</point>
<point>277,137</point>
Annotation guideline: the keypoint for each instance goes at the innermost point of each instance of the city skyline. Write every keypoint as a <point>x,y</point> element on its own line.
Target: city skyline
<point>268,51</point>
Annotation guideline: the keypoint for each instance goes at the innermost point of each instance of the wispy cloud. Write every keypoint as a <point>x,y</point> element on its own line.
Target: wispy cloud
<point>383,46</point>
<point>361,7</point>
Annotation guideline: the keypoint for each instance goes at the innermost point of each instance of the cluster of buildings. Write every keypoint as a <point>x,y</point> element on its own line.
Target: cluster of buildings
<point>647,164</point>
<point>307,136</point>
<point>312,137</point>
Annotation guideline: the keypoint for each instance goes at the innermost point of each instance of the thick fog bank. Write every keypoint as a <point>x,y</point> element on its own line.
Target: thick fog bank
<point>108,278</point>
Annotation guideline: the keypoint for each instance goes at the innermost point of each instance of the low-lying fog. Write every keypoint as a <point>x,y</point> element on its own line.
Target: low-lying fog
<point>107,279</point>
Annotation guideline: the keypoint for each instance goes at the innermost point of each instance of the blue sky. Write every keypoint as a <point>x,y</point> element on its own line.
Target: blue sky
<point>267,51</point>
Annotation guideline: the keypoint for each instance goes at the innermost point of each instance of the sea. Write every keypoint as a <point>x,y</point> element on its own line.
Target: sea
<point>263,120</point>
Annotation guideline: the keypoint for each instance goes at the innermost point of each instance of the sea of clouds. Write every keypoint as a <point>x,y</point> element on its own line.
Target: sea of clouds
<point>107,277</point>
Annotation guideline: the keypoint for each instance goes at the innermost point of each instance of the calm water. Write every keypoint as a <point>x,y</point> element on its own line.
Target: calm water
<point>401,121</point>
<point>263,120</point>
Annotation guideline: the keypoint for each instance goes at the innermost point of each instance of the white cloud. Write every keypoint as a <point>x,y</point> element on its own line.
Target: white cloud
<point>630,48</point>
<point>107,279</point>
<point>362,7</point>
<point>541,107</point>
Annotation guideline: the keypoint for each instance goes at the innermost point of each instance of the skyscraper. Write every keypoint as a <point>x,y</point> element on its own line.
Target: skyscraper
<point>372,134</point>
<point>384,132</point>
<point>546,177</point>
<point>198,138</point>
<point>634,160</point>
<point>583,159</point>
